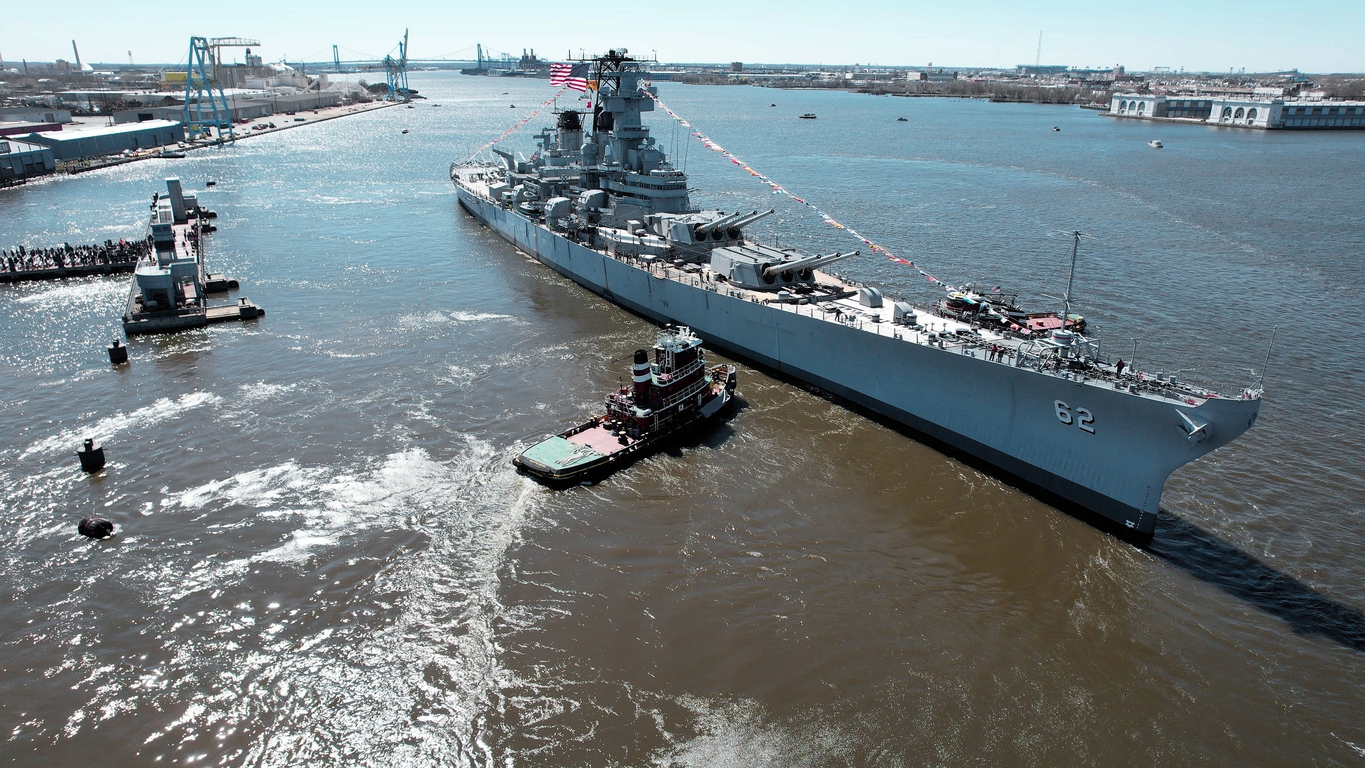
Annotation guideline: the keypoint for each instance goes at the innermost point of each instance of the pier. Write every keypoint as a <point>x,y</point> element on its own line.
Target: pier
<point>22,264</point>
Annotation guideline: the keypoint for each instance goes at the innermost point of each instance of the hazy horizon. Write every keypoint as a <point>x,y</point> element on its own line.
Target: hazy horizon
<point>1219,36</point>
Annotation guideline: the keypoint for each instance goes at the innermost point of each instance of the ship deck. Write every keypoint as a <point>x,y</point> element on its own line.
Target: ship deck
<point>601,439</point>
<point>829,303</point>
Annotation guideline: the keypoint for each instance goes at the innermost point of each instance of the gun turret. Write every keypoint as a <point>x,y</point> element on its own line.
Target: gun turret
<point>810,262</point>
<point>750,219</point>
<point>719,225</point>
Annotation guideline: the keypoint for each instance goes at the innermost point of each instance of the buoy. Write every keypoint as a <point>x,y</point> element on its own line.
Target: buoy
<point>118,354</point>
<point>95,528</point>
<point>91,456</point>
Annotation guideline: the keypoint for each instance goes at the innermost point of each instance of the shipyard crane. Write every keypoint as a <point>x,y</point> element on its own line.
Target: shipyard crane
<point>210,108</point>
<point>217,44</point>
<point>397,72</point>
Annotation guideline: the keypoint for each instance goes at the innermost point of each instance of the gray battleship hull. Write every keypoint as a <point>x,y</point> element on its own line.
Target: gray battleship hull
<point>1005,416</point>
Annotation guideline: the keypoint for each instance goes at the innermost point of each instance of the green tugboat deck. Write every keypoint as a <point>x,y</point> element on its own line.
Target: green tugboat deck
<point>566,454</point>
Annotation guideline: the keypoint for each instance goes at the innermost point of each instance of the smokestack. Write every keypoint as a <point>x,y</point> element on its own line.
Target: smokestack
<point>641,376</point>
<point>78,55</point>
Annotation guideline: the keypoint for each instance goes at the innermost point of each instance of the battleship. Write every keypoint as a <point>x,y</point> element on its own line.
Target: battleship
<point>663,400</point>
<point>601,204</point>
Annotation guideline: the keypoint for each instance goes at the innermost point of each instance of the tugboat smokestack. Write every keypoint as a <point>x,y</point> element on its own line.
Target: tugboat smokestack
<point>640,375</point>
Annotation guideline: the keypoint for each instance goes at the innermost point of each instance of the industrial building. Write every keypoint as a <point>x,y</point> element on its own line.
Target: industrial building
<point>240,106</point>
<point>1257,110</point>
<point>34,115</point>
<point>21,121</point>
<point>20,160</point>
<point>81,140</point>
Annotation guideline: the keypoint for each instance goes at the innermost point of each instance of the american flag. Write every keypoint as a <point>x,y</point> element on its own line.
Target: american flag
<point>573,76</point>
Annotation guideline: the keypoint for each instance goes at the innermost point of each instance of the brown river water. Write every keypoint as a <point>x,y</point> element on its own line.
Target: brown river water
<point>326,558</point>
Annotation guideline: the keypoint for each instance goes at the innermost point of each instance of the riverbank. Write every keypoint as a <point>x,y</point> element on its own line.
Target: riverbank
<point>272,124</point>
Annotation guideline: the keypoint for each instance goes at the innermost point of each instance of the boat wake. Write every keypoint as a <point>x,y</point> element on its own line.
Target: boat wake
<point>392,659</point>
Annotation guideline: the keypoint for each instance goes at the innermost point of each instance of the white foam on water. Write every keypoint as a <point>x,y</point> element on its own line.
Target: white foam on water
<point>422,319</point>
<point>435,318</point>
<point>412,689</point>
<point>478,317</point>
<point>251,394</point>
<point>740,734</point>
<point>255,488</point>
<point>162,410</point>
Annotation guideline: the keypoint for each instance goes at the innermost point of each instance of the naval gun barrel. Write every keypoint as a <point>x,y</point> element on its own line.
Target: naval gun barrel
<point>719,224</point>
<point>810,262</point>
<point>751,218</point>
<point>507,159</point>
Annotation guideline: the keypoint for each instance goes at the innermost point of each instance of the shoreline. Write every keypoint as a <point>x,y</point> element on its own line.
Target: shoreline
<point>75,167</point>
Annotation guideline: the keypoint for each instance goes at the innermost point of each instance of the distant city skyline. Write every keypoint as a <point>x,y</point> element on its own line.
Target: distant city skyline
<point>1215,36</point>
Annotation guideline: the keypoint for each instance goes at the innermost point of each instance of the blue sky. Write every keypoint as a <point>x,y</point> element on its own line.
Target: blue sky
<point>1313,36</point>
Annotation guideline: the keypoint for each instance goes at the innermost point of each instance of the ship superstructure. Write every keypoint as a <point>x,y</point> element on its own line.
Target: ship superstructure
<point>600,203</point>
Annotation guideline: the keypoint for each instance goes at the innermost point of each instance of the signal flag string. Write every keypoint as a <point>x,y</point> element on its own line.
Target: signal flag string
<point>519,124</point>
<point>779,189</point>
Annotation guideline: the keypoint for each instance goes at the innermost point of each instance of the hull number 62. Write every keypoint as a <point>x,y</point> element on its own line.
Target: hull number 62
<point>1078,416</point>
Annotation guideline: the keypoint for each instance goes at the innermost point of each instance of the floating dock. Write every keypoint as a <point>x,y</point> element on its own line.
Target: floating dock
<point>21,264</point>
<point>169,284</point>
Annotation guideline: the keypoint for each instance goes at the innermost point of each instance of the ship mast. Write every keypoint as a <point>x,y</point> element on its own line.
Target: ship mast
<point>1070,277</point>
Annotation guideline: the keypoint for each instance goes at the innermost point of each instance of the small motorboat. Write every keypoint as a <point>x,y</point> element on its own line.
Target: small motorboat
<point>807,116</point>
<point>772,105</point>
<point>1154,143</point>
<point>902,120</point>
<point>405,130</point>
<point>1055,128</point>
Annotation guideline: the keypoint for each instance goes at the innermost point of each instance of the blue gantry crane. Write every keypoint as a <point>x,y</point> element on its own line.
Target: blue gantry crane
<point>210,108</point>
<point>397,72</point>
<point>199,94</point>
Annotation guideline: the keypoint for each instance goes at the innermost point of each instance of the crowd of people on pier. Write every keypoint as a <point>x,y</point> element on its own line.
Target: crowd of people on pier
<point>23,259</point>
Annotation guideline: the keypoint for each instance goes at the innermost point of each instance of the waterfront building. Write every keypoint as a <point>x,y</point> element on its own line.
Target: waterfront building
<point>1256,110</point>
<point>81,140</point>
<point>20,160</point>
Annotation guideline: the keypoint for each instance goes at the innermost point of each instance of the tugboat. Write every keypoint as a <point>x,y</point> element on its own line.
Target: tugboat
<point>674,393</point>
